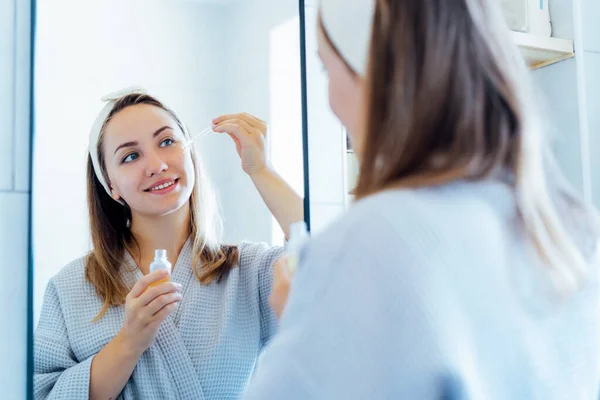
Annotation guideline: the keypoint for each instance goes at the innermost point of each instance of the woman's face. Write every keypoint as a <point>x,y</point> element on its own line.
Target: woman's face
<point>346,91</point>
<point>146,163</point>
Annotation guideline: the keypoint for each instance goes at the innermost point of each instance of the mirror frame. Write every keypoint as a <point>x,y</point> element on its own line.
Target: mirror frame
<point>30,269</point>
<point>303,83</point>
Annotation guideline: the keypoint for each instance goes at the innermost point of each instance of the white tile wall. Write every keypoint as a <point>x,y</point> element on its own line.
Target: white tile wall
<point>559,102</point>
<point>561,16</point>
<point>7,89</point>
<point>13,293</point>
<point>592,82</point>
<point>14,195</point>
<point>22,96</point>
<point>590,14</point>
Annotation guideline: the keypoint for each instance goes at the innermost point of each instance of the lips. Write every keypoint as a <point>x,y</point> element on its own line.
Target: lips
<point>162,185</point>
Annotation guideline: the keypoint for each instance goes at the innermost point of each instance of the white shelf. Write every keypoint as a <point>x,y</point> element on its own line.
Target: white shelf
<point>540,51</point>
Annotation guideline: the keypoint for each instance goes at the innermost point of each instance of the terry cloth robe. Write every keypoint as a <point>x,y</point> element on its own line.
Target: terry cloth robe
<point>434,293</point>
<point>206,349</point>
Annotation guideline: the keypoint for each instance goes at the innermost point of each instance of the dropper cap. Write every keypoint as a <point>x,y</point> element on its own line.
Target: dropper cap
<point>160,253</point>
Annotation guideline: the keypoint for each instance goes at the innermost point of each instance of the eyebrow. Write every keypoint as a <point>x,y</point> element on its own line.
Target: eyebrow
<point>130,144</point>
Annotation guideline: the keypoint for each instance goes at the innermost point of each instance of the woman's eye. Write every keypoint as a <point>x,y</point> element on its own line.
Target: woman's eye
<point>166,142</point>
<point>130,157</point>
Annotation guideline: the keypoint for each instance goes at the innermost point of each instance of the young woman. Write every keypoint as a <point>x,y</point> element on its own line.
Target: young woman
<point>108,327</point>
<point>466,269</point>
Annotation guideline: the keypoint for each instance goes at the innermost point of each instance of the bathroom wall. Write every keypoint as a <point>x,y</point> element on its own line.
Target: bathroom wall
<point>571,95</point>
<point>562,102</point>
<point>589,13</point>
<point>14,194</point>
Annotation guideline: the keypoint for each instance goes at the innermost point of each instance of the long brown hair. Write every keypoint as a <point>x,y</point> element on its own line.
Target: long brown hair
<point>111,236</point>
<point>448,98</point>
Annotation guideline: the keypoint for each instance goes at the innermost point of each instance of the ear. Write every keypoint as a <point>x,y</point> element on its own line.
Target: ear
<point>115,194</point>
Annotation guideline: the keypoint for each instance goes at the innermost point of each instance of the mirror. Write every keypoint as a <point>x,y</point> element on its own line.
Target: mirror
<point>202,59</point>
<point>328,157</point>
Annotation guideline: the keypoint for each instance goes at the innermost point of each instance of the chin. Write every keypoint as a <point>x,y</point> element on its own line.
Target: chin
<point>161,208</point>
<point>173,207</point>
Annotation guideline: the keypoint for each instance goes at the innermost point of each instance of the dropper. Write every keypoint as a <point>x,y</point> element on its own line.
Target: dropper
<point>197,136</point>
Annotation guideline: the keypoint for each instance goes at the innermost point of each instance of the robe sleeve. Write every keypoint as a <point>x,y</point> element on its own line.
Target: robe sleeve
<point>57,372</point>
<point>358,326</point>
<point>260,257</point>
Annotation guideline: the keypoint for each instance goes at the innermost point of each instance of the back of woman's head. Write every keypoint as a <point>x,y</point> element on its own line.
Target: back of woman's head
<point>449,97</point>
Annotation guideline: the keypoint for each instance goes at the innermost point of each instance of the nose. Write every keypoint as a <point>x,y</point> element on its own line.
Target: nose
<point>155,165</point>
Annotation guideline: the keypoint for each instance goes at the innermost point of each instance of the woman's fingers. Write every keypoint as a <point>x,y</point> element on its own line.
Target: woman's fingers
<point>251,130</point>
<point>161,301</point>
<point>238,128</point>
<point>254,121</point>
<point>142,284</point>
<point>165,311</point>
<point>233,129</point>
<point>251,120</point>
<point>154,292</point>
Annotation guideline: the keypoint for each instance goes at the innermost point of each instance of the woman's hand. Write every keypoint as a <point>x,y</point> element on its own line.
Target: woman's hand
<point>146,307</point>
<point>282,280</point>
<point>249,134</point>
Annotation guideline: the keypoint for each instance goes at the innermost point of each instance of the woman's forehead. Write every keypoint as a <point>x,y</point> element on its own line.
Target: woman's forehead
<point>138,121</point>
<point>138,116</point>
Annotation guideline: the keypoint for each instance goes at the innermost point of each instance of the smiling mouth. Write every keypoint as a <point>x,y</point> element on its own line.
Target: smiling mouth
<point>162,186</point>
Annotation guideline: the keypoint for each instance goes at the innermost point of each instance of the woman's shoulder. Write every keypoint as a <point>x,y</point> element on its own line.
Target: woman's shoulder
<point>71,277</point>
<point>255,263</point>
<point>257,258</point>
<point>252,253</point>
<point>420,218</point>
<point>376,214</point>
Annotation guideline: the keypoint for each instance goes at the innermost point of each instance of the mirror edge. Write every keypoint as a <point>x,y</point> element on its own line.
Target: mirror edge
<point>30,267</point>
<point>304,101</point>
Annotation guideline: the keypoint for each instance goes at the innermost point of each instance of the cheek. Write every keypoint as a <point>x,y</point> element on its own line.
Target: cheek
<point>125,180</point>
<point>344,98</point>
<point>190,173</point>
<point>185,166</point>
<point>337,99</point>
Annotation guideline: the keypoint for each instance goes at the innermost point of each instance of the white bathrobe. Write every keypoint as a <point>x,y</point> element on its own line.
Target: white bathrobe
<point>206,349</point>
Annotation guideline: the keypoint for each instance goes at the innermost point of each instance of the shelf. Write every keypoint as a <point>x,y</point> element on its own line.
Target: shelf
<point>540,51</point>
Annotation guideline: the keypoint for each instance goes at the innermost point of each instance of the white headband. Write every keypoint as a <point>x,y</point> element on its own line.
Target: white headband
<point>111,100</point>
<point>348,24</point>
